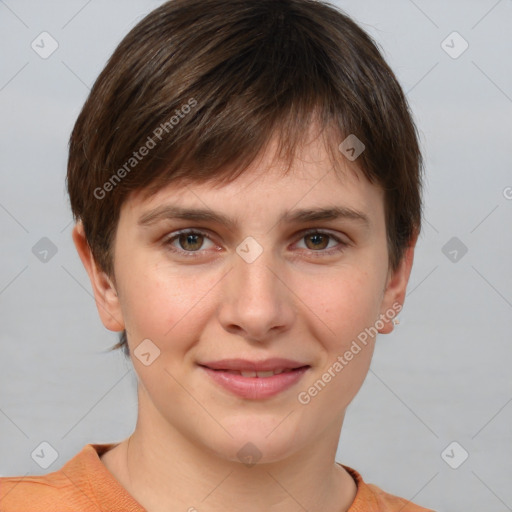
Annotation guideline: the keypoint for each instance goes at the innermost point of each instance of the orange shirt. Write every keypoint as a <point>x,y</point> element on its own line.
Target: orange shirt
<point>85,484</point>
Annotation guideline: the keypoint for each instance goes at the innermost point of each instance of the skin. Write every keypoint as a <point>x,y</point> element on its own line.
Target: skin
<point>297,300</point>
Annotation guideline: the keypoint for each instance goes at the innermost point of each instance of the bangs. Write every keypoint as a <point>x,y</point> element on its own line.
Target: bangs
<point>200,88</point>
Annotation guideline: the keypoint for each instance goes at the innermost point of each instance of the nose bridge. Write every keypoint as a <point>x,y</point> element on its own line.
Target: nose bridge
<point>255,299</point>
<point>253,270</point>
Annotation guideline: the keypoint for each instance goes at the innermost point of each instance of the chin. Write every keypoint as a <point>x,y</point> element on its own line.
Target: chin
<point>254,442</point>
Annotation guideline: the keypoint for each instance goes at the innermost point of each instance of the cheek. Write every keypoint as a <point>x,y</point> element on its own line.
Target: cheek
<point>349,309</point>
<point>348,305</point>
<point>159,304</point>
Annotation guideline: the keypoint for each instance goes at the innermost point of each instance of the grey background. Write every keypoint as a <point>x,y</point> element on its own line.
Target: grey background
<point>443,375</point>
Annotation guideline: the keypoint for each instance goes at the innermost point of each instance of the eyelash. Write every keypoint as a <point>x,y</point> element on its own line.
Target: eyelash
<point>194,254</point>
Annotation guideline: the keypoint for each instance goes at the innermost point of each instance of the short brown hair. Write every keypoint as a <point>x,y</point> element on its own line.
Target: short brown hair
<point>203,85</point>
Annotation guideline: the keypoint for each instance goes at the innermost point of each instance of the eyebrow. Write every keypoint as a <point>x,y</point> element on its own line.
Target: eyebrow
<point>170,212</point>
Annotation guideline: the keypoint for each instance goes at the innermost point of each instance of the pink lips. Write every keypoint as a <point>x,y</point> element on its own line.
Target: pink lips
<point>226,373</point>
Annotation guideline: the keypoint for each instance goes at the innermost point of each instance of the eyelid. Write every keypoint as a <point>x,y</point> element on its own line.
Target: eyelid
<point>335,235</point>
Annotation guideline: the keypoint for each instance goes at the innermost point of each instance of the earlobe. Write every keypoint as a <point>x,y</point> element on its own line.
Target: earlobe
<point>396,286</point>
<point>105,293</point>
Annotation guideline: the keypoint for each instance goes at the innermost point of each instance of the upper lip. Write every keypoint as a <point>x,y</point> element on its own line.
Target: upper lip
<point>275,363</point>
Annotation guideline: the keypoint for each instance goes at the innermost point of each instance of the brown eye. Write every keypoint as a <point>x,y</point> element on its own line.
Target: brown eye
<point>191,241</point>
<point>321,244</point>
<point>317,240</point>
<point>188,243</point>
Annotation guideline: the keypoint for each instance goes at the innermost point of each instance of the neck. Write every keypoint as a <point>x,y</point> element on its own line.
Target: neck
<point>167,471</point>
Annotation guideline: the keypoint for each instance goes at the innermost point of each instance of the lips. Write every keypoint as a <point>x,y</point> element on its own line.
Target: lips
<point>255,379</point>
<point>251,373</point>
<point>240,366</point>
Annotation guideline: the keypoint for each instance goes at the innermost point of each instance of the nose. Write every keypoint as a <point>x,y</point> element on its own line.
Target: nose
<point>257,302</point>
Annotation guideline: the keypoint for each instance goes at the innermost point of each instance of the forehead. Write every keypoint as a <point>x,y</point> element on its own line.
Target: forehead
<point>272,187</point>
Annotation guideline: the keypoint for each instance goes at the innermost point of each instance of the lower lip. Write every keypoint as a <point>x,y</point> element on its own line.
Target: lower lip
<point>256,387</point>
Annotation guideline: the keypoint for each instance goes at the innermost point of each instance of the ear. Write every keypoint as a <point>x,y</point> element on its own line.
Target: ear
<point>396,285</point>
<point>105,294</point>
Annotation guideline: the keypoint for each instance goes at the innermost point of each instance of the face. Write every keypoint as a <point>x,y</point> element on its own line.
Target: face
<point>250,282</point>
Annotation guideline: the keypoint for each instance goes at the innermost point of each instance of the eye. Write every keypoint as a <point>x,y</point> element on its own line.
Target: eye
<point>186,242</point>
<point>190,242</point>
<point>316,242</point>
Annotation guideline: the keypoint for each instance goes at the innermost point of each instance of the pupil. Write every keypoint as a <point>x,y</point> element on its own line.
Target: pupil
<point>318,240</point>
<point>192,240</point>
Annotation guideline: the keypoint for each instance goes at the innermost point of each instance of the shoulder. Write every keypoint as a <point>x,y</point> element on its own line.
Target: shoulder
<point>370,498</point>
<point>67,490</point>
<point>390,502</point>
<point>35,493</point>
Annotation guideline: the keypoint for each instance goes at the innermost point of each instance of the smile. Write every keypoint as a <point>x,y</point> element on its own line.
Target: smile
<point>256,385</point>
<point>250,373</point>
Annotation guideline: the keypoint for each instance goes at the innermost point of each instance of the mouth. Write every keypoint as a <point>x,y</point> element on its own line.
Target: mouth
<point>255,380</point>
<point>258,374</point>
